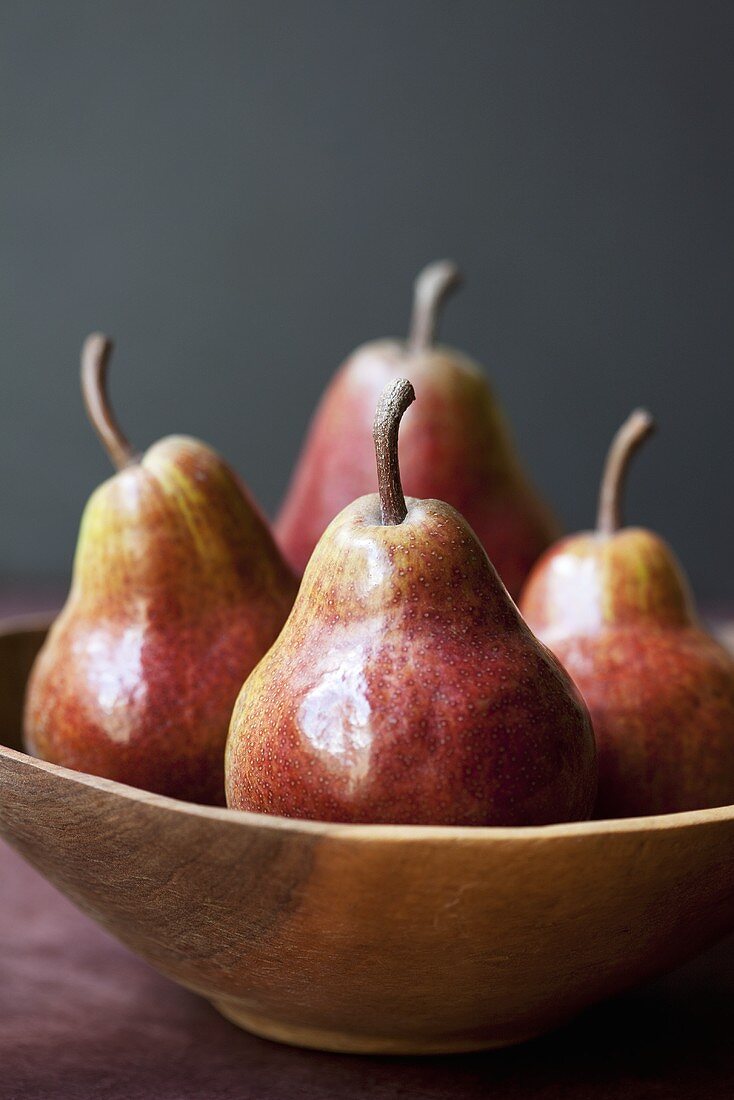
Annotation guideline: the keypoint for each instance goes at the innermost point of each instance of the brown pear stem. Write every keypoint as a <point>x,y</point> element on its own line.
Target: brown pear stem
<point>394,400</point>
<point>432,288</point>
<point>96,354</point>
<point>638,427</point>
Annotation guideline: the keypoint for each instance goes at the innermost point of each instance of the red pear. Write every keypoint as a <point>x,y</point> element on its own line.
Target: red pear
<point>405,687</point>
<point>178,590</point>
<point>615,606</point>
<point>455,445</point>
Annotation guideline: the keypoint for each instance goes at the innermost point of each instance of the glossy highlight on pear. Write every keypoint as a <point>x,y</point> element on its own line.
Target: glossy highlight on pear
<point>178,589</point>
<point>405,688</point>
<point>615,607</point>
<point>454,445</point>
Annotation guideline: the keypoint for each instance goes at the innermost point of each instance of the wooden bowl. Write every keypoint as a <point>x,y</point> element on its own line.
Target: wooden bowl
<point>368,938</point>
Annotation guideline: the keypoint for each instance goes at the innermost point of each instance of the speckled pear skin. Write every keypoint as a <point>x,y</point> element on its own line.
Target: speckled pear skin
<point>405,688</point>
<point>454,445</point>
<point>617,611</point>
<point>178,590</point>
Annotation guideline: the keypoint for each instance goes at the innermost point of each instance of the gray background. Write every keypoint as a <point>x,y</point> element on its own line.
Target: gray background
<point>241,192</point>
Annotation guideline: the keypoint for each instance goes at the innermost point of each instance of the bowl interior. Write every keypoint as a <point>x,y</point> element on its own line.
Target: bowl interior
<point>20,641</point>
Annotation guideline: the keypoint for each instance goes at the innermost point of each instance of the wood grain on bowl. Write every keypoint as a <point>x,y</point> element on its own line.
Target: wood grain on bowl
<point>369,938</point>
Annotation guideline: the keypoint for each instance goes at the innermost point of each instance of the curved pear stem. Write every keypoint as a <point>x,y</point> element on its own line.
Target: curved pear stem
<point>96,354</point>
<point>638,427</point>
<point>432,288</point>
<point>394,400</point>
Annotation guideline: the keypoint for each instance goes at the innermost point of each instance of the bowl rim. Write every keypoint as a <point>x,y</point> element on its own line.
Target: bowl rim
<point>22,624</point>
<point>331,829</point>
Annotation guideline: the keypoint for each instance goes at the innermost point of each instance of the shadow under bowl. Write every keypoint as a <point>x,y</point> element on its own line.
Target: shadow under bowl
<point>370,939</point>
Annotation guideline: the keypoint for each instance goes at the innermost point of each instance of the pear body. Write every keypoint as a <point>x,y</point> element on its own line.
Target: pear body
<point>617,612</point>
<point>454,445</point>
<point>178,590</point>
<point>405,688</point>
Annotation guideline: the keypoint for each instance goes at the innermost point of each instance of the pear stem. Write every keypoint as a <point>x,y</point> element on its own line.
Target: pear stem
<point>638,427</point>
<point>96,354</point>
<point>394,400</point>
<point>432,288</point>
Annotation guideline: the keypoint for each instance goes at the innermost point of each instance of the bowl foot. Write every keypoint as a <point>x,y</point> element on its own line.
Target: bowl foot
<point>343,1042</point>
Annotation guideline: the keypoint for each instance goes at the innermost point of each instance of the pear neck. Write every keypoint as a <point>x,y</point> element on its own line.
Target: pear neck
<point>631,580</point>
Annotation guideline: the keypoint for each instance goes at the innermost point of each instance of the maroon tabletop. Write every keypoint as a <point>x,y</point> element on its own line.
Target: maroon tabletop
<point>80,1017</point>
